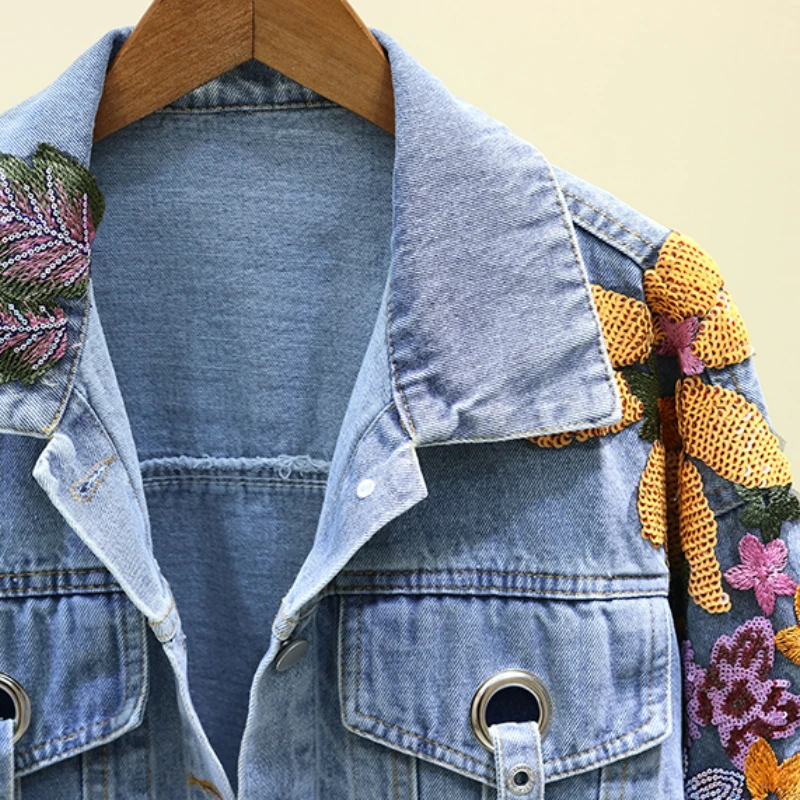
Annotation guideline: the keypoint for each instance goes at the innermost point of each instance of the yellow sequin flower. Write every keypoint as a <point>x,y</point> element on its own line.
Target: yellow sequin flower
<point>688,313</point>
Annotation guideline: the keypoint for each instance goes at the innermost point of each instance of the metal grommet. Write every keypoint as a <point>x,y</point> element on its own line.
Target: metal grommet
<point>21,703</point>
<point>501,680</point>
<point>520,779</point>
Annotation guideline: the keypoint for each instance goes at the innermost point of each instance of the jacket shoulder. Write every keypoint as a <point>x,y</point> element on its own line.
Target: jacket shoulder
<point>599,216</point>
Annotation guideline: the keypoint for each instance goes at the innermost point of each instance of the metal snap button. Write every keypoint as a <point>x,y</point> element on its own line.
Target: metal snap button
<point>290,654</point>
<point>530,698</point>
<point>14,704</point>
<point>365,488</point>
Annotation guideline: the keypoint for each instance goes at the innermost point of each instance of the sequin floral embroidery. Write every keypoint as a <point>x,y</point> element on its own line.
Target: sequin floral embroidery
<point>688,314</point>
<point>49,215</point>
<point>736,693</point>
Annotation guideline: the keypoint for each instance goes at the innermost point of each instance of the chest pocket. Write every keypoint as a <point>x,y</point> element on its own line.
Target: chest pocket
<point>76,645</point>
<point>410,666</point>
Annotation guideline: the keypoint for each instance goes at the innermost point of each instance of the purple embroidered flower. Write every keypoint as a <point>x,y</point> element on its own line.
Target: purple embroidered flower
<point>762,569</point>
<point>29,341</point>
<point>48,217</point>
<point>678,342</point>
<point>736,694</point>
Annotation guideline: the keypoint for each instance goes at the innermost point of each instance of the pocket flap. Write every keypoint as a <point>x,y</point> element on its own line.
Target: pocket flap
<point>410,665</point>
<point>77,645</point>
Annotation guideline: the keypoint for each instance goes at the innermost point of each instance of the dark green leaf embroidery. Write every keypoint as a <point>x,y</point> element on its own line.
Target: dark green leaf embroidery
<point>768,508</point>
<point>645,385</point>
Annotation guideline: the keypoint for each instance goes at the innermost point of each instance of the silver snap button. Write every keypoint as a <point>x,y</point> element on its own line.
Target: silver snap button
<point>520,779</point>
<point>14,703</point>
<point>290,654</point>
<point>365,488</point>
<point>507,679</point>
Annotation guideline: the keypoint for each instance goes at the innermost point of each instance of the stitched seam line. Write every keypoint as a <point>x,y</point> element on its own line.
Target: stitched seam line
<point>52,572</point>
<point>63,753</point>
<point>494,572</point>
<point>61,590</point>
<point>608,216</point>
<point>188,480</point>
<point>568,227</point>
<point>663,592</point>
<point>620,245</point>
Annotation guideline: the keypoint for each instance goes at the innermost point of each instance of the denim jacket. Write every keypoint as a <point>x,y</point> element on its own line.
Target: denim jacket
<point>337,465</point>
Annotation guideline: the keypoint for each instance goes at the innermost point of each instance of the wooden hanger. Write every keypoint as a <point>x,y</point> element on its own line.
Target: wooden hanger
<point>179,45</point>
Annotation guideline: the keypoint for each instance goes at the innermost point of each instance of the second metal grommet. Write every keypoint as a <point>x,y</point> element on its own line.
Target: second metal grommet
<point>502,680</point>
<point>21,704</point>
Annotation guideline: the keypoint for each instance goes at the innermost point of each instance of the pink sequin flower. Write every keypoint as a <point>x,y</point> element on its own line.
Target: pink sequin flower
<point>736,694</point>
<point>762,569</point>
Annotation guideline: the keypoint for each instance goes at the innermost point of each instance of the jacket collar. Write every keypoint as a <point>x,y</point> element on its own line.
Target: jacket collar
<point>485,261</point>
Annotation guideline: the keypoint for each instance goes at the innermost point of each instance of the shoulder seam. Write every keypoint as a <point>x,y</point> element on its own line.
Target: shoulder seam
<point>614,232</point>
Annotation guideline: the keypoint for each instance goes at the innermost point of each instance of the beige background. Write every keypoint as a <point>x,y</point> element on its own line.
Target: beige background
<point>686,110</point>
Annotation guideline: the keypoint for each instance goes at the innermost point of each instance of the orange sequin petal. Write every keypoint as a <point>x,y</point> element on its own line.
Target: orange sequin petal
<point>728,433</point>
<point>652,497</point>
<point>627,326</point>
<point>684,281</point>
<point>722,338</point>
<point>698,532</point>
<point>788,639</point>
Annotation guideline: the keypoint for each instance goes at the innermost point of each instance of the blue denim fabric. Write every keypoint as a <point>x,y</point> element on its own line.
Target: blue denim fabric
<point>291,313</point>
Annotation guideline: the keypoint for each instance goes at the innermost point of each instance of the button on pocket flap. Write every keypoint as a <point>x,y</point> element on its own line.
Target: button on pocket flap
<point>415,669</point>
<point>76,646</point>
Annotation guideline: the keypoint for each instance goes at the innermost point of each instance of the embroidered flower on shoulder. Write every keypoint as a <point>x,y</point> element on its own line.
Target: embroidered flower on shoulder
<point>736,694</point>
<point>49,215</point>
<point>762,569</point>
<point>687,314</point>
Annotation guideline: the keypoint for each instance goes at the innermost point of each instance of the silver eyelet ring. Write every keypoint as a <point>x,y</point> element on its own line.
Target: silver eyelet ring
<point>22,704</point>
<point>526,787</point>
<point>500,680</point>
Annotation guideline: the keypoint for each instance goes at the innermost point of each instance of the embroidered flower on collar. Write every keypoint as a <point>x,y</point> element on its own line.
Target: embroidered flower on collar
<point>687,313</point>
<point>49,215</point>
<point>736,695</point>
<point>762,568</point>
<point>765,776</point>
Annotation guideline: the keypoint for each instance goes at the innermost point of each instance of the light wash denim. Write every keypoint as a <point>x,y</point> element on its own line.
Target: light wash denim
<point>291,313</point>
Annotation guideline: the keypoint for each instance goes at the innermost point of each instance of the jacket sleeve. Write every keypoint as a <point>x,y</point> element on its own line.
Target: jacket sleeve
<point>732,537</point>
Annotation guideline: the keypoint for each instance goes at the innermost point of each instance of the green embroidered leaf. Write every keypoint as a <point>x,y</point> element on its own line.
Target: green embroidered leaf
<point>644,384</point>
<point>768,508</point>
<point>49,214</point>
